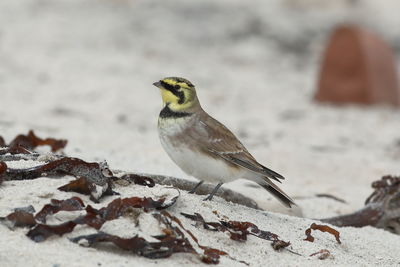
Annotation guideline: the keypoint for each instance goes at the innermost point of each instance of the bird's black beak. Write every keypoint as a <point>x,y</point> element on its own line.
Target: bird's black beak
<point>157,84</point>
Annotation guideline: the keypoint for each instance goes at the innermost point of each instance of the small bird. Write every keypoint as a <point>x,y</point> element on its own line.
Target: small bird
<point>202,146</point>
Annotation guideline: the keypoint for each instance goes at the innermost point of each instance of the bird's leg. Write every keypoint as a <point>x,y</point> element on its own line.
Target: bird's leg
<point>210,196</point>
<point>195,187</point>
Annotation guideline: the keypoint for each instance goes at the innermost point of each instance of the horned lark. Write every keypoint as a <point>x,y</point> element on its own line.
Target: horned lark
<point>203,147</point>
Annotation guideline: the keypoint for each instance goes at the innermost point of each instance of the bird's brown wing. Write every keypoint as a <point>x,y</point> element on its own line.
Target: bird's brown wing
<point>213,137</point>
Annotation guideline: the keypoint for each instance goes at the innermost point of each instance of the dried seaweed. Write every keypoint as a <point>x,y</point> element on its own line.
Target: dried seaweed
<point>118,207</point>
<point>94,178</point>
<point>280,244</point>
<point>81,186</point>
<point>14,150</point>
<point>138,179</point>
<point>210,255</point>
<point>71,204</point>
<point>388,185</point>
<point>85,187</point>
<point>246,228</point>
<point>43,231</point>
<point>322,228</point>
<point>136,244</point>
<point>3,169</point>
<point>34,156</point>
<point>173,241</point>
<point>381,210</point>
<point>369,215</point>
<point>93,217</point>
<point>20,218</point>
<point>31,141</point>
<point>93,171</point>
<point>2,142</point>
<point>322,254</point>
<point>24,144</point>
<point>238,231</point>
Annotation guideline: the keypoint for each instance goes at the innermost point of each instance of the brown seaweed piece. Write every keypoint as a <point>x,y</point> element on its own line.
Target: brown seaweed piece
<point>31,141</point>
<point>43,231</point>
<point>93,217</point>
<point>25,218</point>
<point>85,187</point>
<point>280,244</point>
<point>381,210</point>
<point>20,218</point>
<point>239,231</point>
<point>67,165</point>
<point>71,204</point>
<point>248,228</point>
<point>2,142</point>
<point>173,240</point>
<point>3,169</point>
<point>15,150</point>
<point>119,206</point>
<point>210,255</point>
<point>96,177</point>
<point>24,144</point>
<point>138,245</point>
<point>322,228</point>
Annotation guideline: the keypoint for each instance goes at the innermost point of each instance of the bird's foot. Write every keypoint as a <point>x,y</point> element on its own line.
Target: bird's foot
<point>195,187</point>
<point>211,195</point>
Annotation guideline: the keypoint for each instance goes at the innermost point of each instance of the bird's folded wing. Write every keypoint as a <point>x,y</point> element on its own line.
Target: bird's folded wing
<point>215,138</point>
<point>244,161</point>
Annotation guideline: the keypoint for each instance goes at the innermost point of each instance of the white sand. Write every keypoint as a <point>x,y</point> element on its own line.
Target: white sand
<point>82,70</point>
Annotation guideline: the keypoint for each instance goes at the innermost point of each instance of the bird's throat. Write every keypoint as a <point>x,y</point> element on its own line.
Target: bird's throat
<point>167,112</point>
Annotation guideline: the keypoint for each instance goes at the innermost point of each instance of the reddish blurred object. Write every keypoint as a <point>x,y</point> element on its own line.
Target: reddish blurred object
<point>358,67</point>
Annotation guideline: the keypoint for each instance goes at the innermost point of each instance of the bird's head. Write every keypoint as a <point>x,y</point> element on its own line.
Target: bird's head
<point>178,93</point>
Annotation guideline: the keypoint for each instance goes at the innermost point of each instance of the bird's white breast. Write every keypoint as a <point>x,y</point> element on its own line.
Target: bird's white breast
<point>192,162</point>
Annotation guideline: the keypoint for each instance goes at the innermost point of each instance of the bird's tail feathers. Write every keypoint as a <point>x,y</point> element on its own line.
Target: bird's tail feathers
<point>273,175</point>
<point>278,193</point>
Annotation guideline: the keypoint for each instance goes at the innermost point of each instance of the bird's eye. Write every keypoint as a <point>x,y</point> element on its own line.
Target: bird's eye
<point>176,86</point>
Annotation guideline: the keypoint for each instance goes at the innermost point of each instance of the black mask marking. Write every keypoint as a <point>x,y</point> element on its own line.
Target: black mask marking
<point>175,90</point>
<point>166,112</point>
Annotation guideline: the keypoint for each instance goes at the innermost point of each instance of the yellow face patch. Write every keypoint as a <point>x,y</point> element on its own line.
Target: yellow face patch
<point>168,96</point>
<point>178,93</point>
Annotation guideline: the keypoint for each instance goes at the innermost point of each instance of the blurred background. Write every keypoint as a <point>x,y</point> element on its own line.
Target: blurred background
<point>83,70</point>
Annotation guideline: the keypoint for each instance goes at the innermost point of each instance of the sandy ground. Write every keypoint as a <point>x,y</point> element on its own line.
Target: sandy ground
<point>82,70</point>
